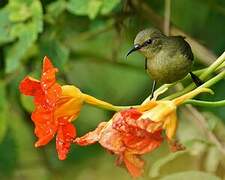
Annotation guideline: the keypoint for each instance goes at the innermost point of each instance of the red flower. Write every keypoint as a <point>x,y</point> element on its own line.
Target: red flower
<point>125,136</point>
<point>50,101</point>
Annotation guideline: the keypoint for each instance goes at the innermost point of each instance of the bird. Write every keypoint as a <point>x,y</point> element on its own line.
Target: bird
<point>168,59</point>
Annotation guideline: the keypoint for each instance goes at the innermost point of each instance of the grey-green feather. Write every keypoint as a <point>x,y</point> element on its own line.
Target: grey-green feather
<point>169,59</point>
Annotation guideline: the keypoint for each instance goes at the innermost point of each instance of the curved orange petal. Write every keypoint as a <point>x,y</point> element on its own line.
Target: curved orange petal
<point>65,135</point>
<point>143,144</point>
<point>30,86</point>
<point>91,137</point>
<point>47,64</point>
<point>134,164</point>
<point>108,137</point>
<point>45,126</point>
<point>51,89</point>
<point>48,73</point>
<point>111,139</point>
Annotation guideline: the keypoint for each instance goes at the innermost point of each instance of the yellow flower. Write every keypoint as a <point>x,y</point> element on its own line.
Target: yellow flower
<point>70,102</point>
<point>163,112</point>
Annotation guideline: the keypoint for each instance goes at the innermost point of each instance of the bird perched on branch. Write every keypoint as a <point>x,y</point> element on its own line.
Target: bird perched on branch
<point>167,58</point>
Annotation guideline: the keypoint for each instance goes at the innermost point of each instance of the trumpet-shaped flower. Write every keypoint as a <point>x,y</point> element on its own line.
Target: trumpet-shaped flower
<point>163,113</point>
<point>123,136</point>
<point>55,107</point>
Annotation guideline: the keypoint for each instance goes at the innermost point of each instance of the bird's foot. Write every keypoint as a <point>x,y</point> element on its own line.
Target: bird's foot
<point>153,89</point>
<point>198,82</point>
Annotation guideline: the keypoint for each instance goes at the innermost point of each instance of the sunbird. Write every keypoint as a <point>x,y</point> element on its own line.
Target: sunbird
<point>167,58</point>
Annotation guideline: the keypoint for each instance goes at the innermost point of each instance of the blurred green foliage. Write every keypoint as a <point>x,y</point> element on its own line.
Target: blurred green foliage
<point>87,40</point>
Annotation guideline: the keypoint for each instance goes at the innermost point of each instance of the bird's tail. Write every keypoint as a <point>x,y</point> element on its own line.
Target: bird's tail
<point>196,79</point>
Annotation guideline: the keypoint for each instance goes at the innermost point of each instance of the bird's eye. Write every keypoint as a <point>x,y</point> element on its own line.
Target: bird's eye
<point>149,41</point>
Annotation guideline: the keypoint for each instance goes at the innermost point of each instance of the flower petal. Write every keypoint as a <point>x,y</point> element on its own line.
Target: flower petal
<point>159,112</point>
<point>51,89</point>
<point>70,102</point>
<point>133,131</point>
<point>66,134</point>
<point>125,121</point>
<point>134,164</point>
<point>91,137</point>
<point>71,91</point>
<point>170,124</point>
<point>45,126</point>
<point>30,87</point>
<point>112,140</point>
<point>48,73</point>
<point>142,145</point>
<point>52,95</point>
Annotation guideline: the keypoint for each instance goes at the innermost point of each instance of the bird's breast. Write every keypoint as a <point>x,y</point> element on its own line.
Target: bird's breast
<point>167,68</point>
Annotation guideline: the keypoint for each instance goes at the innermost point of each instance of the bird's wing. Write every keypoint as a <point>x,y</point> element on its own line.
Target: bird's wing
<point>183,46</point>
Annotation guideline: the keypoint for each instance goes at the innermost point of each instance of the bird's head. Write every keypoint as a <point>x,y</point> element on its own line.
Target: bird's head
<point>148,42</point>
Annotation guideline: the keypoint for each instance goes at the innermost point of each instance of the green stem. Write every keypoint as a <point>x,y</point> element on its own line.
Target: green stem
<point>205,103</point>
<point>214,80</point>
<point>213,66</point>
<point>209,83</point>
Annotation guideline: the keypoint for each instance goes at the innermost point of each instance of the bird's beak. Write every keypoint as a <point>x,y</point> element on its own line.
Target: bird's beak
<point>135,48</point>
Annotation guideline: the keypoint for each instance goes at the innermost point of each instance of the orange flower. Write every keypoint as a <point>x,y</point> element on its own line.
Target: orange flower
<point>131,133</point>
<point>125,136</point>
<point>55,107</point>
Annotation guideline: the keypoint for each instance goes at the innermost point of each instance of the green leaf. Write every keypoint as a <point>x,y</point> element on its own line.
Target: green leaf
<point>91,7</point>
<point>5,36</point>
<point>78,7</point>
<point>193,175</point>
<point>16,52</point>
<point>24,20</point>
<point>54,10</point>
<point>3,111</point>
<point>109,5</point>
<point>19,11</point>
<point>85,7</point>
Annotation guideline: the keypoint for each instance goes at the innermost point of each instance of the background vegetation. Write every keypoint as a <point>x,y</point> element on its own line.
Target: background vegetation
<point>87,40</point>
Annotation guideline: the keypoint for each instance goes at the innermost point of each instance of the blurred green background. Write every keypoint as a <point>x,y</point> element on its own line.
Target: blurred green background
<point>87,40</point>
